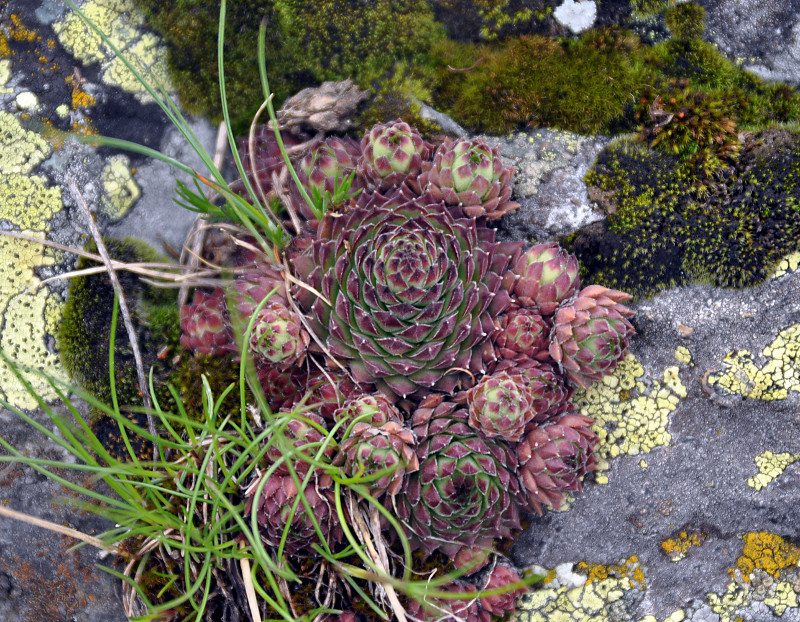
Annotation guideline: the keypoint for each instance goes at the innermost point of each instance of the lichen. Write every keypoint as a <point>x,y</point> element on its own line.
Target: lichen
<point>20,150</point>
<point>28,202</point>
<point>770,465</point>
<point>677,548</point>
<point>24,316</point>
<point>120,188</point>
<point>631,409</point>
<point>587,592</point>
<point>766,551</point>
<point>772,381</point>
<point>125,27</point>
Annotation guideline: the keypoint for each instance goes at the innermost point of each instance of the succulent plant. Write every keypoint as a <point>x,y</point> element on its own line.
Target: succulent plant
<point>282,387</point>
<point>303,439</point>
<point>205,324</point>
<point>274,507</point>
<point>549,391</point>
<point>386,451</point>
<point>328,163</point>
<point>505,603</point>
<point>471,559</point>
<point>465,492</point>
<point>250,288</point>
<point>412,289</point>
<point>330,391</point>
<point>501,405</point>
<point>554,457</point>
<point>374,409</point>
<point>265,162</point>
<point>522,334</point>
<point>278,336</point>
<point>469,173</point>
<point>391,154</point>
<point>590,334</point>
<point>546,275</point>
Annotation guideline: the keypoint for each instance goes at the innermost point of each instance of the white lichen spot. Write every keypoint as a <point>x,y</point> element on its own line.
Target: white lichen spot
<point>62,111</point>
<point>120,189</point>
<point>5,76</point>
<point>577,16</point>
<point>27,101</point>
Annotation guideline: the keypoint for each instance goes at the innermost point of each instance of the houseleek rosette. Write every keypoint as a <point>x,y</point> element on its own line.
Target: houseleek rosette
<point>408,292</point>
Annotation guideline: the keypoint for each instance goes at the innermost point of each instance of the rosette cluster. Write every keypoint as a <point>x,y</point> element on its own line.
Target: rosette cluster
<point>434,364</point>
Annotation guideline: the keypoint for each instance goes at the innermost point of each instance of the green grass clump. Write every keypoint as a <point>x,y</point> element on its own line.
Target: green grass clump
<point>85,331</point>
<point>730,231</point>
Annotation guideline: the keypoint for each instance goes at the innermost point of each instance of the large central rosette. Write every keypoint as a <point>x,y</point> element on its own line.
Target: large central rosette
<point>412,288</point>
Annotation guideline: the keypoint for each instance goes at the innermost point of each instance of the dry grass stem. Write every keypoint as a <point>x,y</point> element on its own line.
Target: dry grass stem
<point>65,531</point>
<point>123,307</point>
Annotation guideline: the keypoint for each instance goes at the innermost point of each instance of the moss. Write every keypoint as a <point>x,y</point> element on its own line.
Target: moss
<point>220,371</point>
<point>730,231</point>
<point>581,85</point>
<point>686,20</point>
<point>477,20</point>
<point>86,328</point>
<point>307,42</point>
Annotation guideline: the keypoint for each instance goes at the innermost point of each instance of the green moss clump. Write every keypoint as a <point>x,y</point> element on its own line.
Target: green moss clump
<point>486,20</point>
<point>220,371</point>
<point>85,332</point>
<point>581,85</point>
<point>686,20</point>
<point>729,233</point>
<point>307,42</point>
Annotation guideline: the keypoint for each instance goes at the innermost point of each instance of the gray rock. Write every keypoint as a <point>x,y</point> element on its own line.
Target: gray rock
<point>548,184</point>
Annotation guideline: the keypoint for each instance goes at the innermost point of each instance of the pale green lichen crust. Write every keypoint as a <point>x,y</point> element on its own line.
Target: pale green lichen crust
<point>582,592</point>
<point>120,189</point>
<point>770,465</point>
<point>788,264</point>
<point>27,315</point>
<point>124,26</point>
<point>773,380</point>
<point>20,150</point>
<point>24,316</point>
<point>631,409</point>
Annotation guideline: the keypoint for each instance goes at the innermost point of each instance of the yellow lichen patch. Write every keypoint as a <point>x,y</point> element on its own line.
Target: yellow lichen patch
<point>774,380</point>
<point>735,597</point>
<point>768,552</point>
<point>20,150</point>
<point>565,599</point>
<point>682,355</point>
<point>788,264</point>
<point>80,98</point>
<point>770,466</point>
<point>121,190</point>
<point>24,317</point>
<point>27,201</point>
<point>631,409</point>
<point>676,548</point>
<point>124,26</point>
